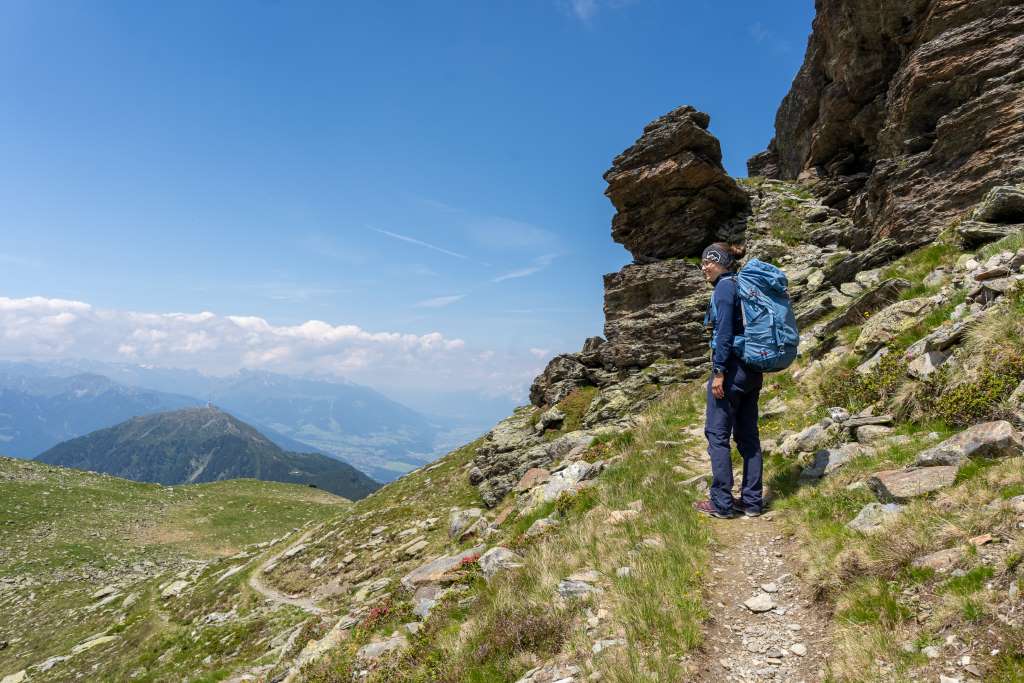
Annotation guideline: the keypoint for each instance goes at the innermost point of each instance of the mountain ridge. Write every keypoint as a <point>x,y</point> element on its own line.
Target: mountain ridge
<point>201,444</point>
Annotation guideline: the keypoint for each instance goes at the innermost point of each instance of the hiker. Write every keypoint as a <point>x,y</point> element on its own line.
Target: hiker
<point>733,390</point>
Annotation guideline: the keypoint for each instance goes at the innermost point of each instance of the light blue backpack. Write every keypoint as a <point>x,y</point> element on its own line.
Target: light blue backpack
<point>770,337</point>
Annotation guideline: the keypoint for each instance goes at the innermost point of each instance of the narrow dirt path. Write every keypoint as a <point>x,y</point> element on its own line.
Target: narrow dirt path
<point>789,639</point>
<point>272,594</point>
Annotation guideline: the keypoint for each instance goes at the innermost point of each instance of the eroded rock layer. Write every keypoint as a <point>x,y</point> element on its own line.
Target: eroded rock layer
<point>904,112</point>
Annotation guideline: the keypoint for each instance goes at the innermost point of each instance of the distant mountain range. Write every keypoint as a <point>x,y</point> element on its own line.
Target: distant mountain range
<point>202,444</point>
<point>38,411</point>
<point>42,404</point>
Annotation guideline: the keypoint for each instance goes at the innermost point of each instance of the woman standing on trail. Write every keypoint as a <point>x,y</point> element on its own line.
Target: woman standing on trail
<point>733,390</point>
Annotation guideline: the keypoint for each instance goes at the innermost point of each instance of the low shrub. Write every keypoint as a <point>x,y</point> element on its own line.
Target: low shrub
<point>854,391</point>
<point>979,400</point>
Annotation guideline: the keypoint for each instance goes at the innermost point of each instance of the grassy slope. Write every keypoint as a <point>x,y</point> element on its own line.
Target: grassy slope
<point>878,601</point>
<point>64,534</point>
<point>496,631</point>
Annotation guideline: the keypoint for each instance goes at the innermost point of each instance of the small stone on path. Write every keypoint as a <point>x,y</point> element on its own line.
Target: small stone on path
<point>762,602</point>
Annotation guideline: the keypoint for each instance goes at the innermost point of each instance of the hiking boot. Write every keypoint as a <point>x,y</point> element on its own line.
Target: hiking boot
<point>708,508</point>
<point>749,512</point>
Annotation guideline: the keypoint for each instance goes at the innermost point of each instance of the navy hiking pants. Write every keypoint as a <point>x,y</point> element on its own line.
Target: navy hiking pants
<point>735,415</point>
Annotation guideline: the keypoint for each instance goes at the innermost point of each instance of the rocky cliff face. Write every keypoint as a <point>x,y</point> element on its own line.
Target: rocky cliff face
<point>904,112</point>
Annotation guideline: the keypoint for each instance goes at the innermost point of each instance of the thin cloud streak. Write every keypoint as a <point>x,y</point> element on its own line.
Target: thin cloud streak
<point>539,264</point>
<point>421,243</point>
<point>440,301</point>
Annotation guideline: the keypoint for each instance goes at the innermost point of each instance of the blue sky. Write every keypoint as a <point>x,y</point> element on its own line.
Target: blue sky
<point>403,168</point>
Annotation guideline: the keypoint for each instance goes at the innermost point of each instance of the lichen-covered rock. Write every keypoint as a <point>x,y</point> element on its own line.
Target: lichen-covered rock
<point>829,460</point>
<point>499,559</point>
<point>899,486</point>
<point>987,440</point>
<point>975,233</point>
<point>439,569</point>
<point>563,374</point>
<point>462,523</point>
<point>874,517</point>
<point>890,322</point>
<point>808,439</point>
<point>1002,204</point>
<point>671,192</point>
<point>501,470</point>
<point>878,297</point>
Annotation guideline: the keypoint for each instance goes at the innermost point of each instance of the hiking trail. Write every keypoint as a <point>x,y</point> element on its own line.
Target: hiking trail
<point>787,637</point>
<point>272,594</point>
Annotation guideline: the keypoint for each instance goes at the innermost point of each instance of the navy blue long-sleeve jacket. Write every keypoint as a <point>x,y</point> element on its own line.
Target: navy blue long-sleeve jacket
<point>728,321</point>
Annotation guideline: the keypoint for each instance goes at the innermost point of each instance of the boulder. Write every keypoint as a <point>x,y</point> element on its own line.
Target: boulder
<point>174,589</point>
<point>511,449</point>
<point>927,363</point>
<point>565,480</point>
<point>889,322</point>
<point>439,569</point>
<point>563,375</point>
<point>671,193</point>
<point>378,648</point>
<point>870,434</point>
<point>829,460</point>
<point>542,526</point>
<point>425,598</point>
<point>533,477</point>
<point>499,559</point>
<point>807,440</point>
<point>941,560</point>
<point>550,419</point>
<point>570,588</point>
<point>899,486</point>
<point>987,291</point>
<point>865,418</point>
<point>868,366</point>
<point>996,439</point>
<point>973,234</point>
<point>942,339</point>
<point>762,602</point>
<point>91,643</point>
<point>1003,204</point>
<point>462,523</point>
<point>874,517</point>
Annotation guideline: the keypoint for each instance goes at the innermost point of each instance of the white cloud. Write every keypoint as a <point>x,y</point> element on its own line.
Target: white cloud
<point>51,328</point>
<point>539,353</point>
<point>439,301</point>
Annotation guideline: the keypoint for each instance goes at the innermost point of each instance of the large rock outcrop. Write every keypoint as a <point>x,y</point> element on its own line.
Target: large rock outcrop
<point>904,112</point>
<point>673,197</point>
<point>671,193</point>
